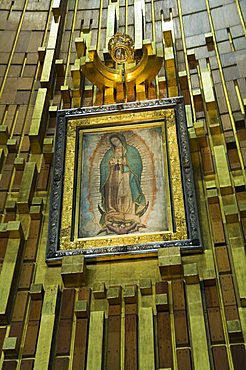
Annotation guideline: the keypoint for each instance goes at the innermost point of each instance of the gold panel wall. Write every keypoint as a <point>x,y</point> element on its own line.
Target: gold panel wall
<point>171,311</point>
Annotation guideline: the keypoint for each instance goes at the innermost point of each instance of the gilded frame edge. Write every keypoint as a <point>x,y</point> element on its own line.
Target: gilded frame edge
<point>192,244</point>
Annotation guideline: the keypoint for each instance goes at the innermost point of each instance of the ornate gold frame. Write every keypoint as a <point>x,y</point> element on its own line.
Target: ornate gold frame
<point>182,230</point>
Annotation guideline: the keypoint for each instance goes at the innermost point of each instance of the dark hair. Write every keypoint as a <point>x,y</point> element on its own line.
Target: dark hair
<point>119,137</point>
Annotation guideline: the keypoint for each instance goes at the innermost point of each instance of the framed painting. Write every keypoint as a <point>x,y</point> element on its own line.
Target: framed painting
<point>122,182</point>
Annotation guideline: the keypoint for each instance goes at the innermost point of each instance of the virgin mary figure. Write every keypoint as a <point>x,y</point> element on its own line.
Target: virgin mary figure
<point>123,202</point>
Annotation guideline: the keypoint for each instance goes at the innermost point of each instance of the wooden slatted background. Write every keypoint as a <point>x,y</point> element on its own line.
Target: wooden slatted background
<point>188,324</point>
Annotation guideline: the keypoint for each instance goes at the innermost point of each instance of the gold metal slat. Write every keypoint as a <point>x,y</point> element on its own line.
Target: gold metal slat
<point>37,126</point>
<point>238,256</point>
<point>43,353</point>
<point>242,315</point>
<point>10,265</point>
<point>146,339</point>
<point>47,68</point>
<point>27,187</point>
<point>222,170</point>
<point>197,327</point>
<point>241,15</point>
<point>225,90</point>
<point>208,90</point>
<point>111,22</point>
<point>70,42</point>
<point>138,29</point>
<point>186,57</point>
<point>95,343</point>
<point>14,46</point>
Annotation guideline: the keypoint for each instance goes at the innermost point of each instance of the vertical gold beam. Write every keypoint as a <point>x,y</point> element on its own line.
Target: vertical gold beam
<point>225,90</point>
<point>197,327</point>
<point>126,25</point>
<point>14,46</point>
<point>172,326</point>
<point>146,339</point>
<point>54,29</point>
<point>43,353</point>
<point>138,22</point>
<point>241,16</point>
<point>38,125</point>
<point>77,79</point>
<point>239,96</point>
<point>110,22</point>
<point>9,277</point>
<point>1,158</point>
<point>186,57</point>
<point>47,68</point>
<point>242,315</point>
<point>144,15</point>
<point>95,342</point>
<point>70,42</point>
<point>238,256</point>
<point>222,169</point>
<point>188,116</point>
<point>27,187</point>
<point>99,25</point>
<point>153,21</point>
<point>208,89</point>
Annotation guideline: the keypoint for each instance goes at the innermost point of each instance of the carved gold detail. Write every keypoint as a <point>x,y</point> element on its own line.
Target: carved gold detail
<point>120,48</point>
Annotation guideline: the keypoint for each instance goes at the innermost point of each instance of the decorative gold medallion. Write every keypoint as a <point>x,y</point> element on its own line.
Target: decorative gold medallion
<point>121,48</point>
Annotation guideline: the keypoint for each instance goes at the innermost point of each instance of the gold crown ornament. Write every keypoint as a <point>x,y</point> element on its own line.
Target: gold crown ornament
<point>121,48</point>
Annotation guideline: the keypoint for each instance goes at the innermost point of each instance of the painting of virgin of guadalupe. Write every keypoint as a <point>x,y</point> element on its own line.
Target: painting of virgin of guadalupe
<point>123,183</point>
<point>123,202</point>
